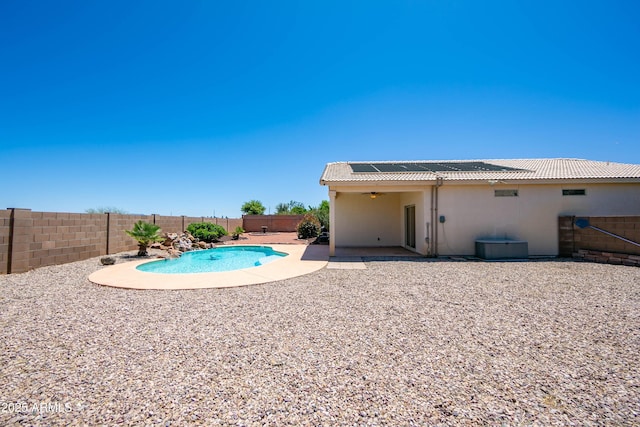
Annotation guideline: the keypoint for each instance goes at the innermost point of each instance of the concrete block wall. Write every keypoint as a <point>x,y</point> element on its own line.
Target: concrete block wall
<point>229,224</point>
<point>168,224</point>
<point>20,237</point>
<point>5,218</point>
<point>284,223</point>
<point>573,239</point>
<point>192,219</point>
<point>30,240</point>
<point>608,257</point>
<point>58,238</point>
<point>566,234</point>
<point>119,241</point>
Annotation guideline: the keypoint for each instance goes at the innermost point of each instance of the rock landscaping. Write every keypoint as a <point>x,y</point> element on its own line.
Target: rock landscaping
<point>176,244</point>
<point>398,343</point>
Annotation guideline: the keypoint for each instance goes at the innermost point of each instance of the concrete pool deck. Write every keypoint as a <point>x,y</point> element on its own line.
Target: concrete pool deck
<point>301,260</point>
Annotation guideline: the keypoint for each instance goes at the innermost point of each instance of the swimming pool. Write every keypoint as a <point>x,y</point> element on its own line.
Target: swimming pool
<point>300,260</point>
<point>214,260</point>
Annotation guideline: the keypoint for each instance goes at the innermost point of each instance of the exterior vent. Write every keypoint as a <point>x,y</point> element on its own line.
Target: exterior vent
<point>574,192</point>
<point>506,193</point>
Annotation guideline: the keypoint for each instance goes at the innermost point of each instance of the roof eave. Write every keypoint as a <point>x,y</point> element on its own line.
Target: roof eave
<point>629,180</point>
<point>377,182</point>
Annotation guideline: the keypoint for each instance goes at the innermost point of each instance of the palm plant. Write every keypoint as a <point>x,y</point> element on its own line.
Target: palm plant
<point>237,232</point>
<point>145,233</point>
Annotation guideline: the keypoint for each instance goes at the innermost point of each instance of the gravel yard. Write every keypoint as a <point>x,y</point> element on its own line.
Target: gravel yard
<point>399,343</point>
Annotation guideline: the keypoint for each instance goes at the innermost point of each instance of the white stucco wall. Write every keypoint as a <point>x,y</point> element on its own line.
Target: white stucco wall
<point>362,221</point>
<point>474,212</point>
<point>602,200</point>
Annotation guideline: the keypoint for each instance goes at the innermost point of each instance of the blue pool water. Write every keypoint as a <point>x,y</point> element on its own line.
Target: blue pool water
<point>214,260</point>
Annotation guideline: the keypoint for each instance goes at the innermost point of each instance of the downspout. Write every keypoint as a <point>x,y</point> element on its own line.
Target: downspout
<point>430,224</point>
<point>439,182</point>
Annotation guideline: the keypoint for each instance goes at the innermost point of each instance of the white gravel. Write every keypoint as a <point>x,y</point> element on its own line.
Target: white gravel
<point>399,343</point>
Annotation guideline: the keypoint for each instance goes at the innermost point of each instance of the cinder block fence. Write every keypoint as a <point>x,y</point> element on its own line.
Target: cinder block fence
<point>284,223</point>
<point>593,245</point>
<point>30,240</point>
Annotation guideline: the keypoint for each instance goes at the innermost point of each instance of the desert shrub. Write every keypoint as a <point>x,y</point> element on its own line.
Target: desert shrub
<point>206,231</point>
<point>309,227</point>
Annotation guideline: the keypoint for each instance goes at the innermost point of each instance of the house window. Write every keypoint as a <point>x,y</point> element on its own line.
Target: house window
<point>506,193</point>
<point>574,192</point>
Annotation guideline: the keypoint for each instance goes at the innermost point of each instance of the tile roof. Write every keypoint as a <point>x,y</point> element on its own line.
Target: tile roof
<point>529,170</point>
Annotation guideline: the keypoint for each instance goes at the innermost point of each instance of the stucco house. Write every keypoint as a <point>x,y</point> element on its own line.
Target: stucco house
<point>443,207</point>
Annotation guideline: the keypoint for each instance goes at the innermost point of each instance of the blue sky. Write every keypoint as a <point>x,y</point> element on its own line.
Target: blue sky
<point>194,107</point>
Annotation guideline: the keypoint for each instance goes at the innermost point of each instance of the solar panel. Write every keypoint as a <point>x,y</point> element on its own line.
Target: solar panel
<point>363,167</point>
<point>430,167</point>
<point>390,167</point>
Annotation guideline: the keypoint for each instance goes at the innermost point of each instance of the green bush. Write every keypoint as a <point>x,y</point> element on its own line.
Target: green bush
<point>309,227</point>
<point>206,231</point>
<point>322,213</point>
<point>323,217</point>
